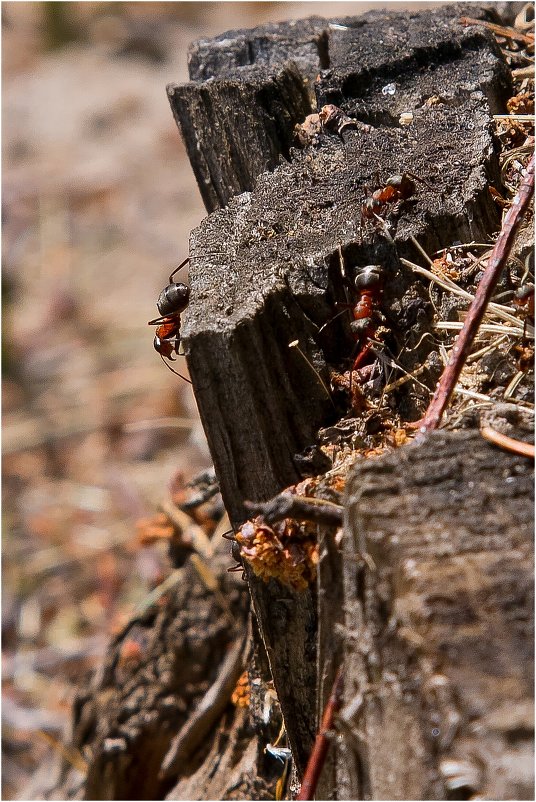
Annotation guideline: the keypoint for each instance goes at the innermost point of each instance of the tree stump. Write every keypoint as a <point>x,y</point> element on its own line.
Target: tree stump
<point>266,270</point>
<point>435,543</point>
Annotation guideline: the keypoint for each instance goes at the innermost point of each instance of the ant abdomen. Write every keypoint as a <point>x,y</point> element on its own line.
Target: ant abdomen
<point>173,298</point>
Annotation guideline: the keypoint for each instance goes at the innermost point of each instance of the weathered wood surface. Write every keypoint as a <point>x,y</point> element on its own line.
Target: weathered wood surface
<point>251,114</point>
<point>441,621</point>
<point>232,99</point>
<point>265,270</point>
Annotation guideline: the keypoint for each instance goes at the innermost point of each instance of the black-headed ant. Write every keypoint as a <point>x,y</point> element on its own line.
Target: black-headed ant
<point>171,303</point>
<point>397,188</point>
<point>235,553</point>
<point>524,301</point>
<point>366,316</point>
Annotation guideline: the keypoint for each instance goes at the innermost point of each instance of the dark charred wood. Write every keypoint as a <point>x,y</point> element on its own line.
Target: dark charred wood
<point>286,505</point>
<point>238,112</point>
<point>302,41</point>
<point>156,673</point>
<point>251,115</point>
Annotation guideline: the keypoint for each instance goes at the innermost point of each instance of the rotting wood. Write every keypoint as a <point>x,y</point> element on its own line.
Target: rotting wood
<point>340,60</point>
<point>265,269</point>
<point>441,651</point>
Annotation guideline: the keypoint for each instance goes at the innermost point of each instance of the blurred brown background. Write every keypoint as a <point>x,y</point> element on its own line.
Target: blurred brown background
<point>98,203</point>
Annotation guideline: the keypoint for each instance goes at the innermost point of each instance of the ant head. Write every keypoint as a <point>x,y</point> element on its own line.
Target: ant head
<point>402,183</point>
<point>173,298</point>
<point>524,293</point>
<point>369,278</point>
<point>164,347</point>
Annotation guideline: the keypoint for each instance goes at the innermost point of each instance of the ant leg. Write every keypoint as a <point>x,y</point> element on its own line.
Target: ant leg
<point>168,366</point>
<point>158,320</point>
<point>179,268</point>
<point>418,178</point>
<point>361,355</point>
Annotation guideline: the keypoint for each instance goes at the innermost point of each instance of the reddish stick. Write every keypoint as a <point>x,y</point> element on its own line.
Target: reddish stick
<point>322,742</point>
<point>476,311</point>
<point>508,443</point>
<point>500,30</point>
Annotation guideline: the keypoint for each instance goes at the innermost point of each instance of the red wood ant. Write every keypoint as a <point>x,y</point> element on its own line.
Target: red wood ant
<point>524,300</point>
<point>397,188</point>
<point>171,303</point>
<point>369,284</point>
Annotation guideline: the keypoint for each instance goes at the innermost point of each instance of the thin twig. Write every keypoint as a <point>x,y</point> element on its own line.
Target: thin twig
<point>69,753</point>
<point>302,508</point>
<point>490,328</point>
<point>487,399</point>
<point>523,72</point>
<point>513,385</point>
<point>322,742</point>
<point>508,443</point>
<point>527,118</point>
<point>182,521</point>
<point>158,423</point>
<point>422,251</point>
<point>500,30</point>
<point>404,379</point>
<point>296,344</point>
<point>476,311</point>
<point>207,712</point>
<point>499,310</point>
<point>493,346</point>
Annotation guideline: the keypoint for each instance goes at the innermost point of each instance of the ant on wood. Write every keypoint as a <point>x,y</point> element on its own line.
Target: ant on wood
<point>235,553</point>
<point>171,303</point>
<point>524,301</point>
<point>366,316</point>
<point>397,188</point>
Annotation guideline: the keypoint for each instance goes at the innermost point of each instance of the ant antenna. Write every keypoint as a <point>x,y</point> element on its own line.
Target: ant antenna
<point>418,178</point>
<point>174,371</point>
<point>332,319</point>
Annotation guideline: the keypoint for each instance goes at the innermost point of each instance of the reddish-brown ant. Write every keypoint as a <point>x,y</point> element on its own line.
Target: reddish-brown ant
<point>369,284</point>
<point>171,303</point>
<point>397,188</point>
<point>524,300</point>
